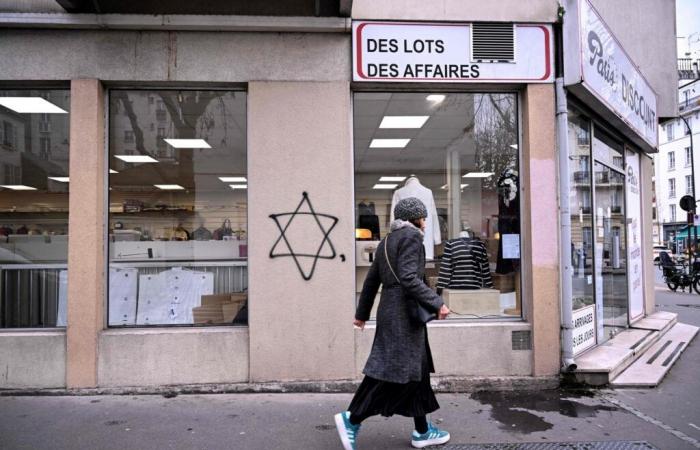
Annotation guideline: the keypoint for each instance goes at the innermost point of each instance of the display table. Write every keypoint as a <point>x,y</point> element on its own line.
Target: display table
<point>480,302</point>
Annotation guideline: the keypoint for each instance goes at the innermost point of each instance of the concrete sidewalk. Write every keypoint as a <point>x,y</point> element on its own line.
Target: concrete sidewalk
<point>305,421</point>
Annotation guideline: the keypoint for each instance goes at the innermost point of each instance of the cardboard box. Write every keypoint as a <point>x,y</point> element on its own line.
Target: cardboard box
<point>230,309</point>
<point>215,300</point>
<point>504,283</point>
<point>208,314</point>
<point>479,302</point>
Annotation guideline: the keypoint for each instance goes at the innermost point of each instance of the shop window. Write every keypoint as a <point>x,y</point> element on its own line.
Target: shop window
<point>459,154</point>
<point>34,207</point>
<point>178,223</point>
<point>579,137</point>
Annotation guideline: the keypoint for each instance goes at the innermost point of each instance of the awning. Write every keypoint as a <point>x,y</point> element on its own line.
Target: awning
<point>683,233</point>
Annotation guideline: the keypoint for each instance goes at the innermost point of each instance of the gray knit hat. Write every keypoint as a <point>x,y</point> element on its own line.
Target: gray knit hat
<point>410,209</point>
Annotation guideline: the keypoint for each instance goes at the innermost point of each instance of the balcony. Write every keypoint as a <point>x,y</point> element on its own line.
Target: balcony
<point>688,69</point>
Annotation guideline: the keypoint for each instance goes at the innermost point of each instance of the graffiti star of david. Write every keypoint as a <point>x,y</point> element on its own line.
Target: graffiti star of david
<point>325,244</point>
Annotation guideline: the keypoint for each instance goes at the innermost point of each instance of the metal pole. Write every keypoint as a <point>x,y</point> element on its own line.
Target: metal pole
<point>692,179</point>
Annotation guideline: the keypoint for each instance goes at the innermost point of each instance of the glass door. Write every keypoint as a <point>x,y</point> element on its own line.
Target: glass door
<point>610,240</point>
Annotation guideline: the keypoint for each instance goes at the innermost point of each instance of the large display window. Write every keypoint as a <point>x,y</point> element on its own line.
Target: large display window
<point>459,154</point>
<point>34,180</point>
<point>178,207</point>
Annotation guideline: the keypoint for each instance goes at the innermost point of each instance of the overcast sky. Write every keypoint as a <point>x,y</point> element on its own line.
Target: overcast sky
<point>687,23</point>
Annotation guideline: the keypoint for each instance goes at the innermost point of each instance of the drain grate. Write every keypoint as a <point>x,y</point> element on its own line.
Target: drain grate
<point>607,445</point>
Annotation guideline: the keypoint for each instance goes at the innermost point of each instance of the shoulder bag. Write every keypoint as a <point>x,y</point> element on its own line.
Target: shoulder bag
<point>416,310</point>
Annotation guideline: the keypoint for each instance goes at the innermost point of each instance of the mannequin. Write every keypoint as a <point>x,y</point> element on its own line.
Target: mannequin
<point>464,265</point>
<point>414,188</point>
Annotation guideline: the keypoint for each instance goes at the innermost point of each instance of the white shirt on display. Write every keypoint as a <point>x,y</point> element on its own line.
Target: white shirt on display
<point>413,188</point>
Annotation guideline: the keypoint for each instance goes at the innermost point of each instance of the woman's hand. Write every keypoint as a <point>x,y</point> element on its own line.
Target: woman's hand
<point>359,324</point>
<point>444,311</point>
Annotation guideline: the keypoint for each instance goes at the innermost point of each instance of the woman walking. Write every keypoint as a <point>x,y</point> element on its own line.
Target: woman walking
<point>397,373</point>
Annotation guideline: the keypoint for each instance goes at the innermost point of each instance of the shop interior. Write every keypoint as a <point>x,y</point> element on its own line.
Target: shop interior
<point>459,154</point>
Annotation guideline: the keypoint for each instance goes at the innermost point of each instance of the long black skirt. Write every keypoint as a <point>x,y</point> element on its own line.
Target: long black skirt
<point>412,399</point>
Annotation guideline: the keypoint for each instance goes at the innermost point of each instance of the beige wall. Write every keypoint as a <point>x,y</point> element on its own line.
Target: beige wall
<point>32,359</point>
<point>86,221</point>
<point>457,10</point>
<point>299,141</point>
<point>162,356</point>
<point>540,227</point>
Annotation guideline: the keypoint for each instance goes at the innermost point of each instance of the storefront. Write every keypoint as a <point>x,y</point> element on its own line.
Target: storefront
<point>612,126</point>
<point>202,200</point>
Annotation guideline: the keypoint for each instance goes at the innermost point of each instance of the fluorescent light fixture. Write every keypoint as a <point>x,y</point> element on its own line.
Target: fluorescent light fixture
<point>437,98</point>
<point>30,105</point>
<point>169,187</point>
<point>136,158</point>
<point>478,175</point>
<point>59,179</point>
<point>389,143</point>
<point>399,179</point>
<point>112,171</point>
<point>403,121</point>
<point>233,179</point>
<point>238,186</point>
<point>187,143</point>
<point>461,186</point>
<point>18,187</point>
<point>384,186</point>
<point>514,146</point>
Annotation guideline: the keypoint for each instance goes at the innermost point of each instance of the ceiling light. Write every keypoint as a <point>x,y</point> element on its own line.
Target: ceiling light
<point>385,186</point>
<point>59,179</point>
<point>188,143</point>
<point>169,187</point>
<point>136,158</point>
<point>515,146</point>
<point>403,121</point>
<point>233,179</point>
<point>399,179</point>
<point>30,105</point>
<point>112,171</point>
<point>478,175</point>
<point>238,186</point>
<point>18,187</point>
<point>389,143</point>
<point>461,186</point>
<point>437,98</point>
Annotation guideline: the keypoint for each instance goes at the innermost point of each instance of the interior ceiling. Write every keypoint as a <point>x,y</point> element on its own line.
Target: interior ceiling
<point>317,8</point>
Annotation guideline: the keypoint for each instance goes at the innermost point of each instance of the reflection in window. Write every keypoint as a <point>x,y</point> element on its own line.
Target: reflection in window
<point>178,208</point>
<point>458,153</point>
<point>34,155</point>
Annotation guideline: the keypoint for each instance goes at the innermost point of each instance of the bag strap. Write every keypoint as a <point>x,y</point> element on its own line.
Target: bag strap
<point>386,256</point>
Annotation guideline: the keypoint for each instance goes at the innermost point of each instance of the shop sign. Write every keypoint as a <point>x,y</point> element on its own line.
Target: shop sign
<point>584,329</point>
<point>635,275</point>
<point>595,59</point>
<point>442,52</point>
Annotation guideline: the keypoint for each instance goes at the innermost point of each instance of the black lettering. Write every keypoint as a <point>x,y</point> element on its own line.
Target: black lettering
<point>405,47</point>
<point>393,45</point>
<point>475,71</point>
<point>408,72</point>
<point>439,46</point>
<point>464,71</point>
<point>438,72</point>
<point>372,70</point>
<point>453,71</point>
<point>371,45</point>
<point>418,46</point>
<point>394,70</point>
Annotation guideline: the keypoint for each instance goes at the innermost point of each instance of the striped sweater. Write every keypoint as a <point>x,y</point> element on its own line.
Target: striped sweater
<point>464,265</point>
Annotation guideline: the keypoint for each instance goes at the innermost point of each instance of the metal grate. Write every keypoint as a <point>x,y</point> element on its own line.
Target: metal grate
<point>493,42</point>
<point>607,445</point>
<point>521,340</point>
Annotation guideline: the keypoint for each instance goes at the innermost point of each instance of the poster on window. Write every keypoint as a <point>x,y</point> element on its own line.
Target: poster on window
<point>634,237</point>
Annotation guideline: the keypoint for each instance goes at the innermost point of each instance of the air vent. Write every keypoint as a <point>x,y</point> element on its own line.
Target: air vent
<point>521,340</point>
<point>493,42</point>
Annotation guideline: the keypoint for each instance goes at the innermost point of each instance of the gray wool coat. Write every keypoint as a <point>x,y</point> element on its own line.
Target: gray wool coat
<point>400,352</point>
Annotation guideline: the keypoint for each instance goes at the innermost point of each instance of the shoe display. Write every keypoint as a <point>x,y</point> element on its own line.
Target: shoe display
<point>434,436</point>
<point>346,430</point>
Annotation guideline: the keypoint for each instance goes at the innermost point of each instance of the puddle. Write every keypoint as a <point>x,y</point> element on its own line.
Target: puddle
<point>517,411</point>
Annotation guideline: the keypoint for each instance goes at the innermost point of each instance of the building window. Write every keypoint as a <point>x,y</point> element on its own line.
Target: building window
<point>178,245</point>
<point>688,157</point>
<point>671,160</point>
<point>34,221</point>
<point>669,131</point>
<point>672,188</point>
<point>672,212</point>
<point>689,185</point>
<point>458,153</point>
<point>687,128</point>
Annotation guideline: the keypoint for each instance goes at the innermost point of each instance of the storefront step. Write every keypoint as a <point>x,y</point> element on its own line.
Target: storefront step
<point>653,365</point>
<point>601,364</point>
